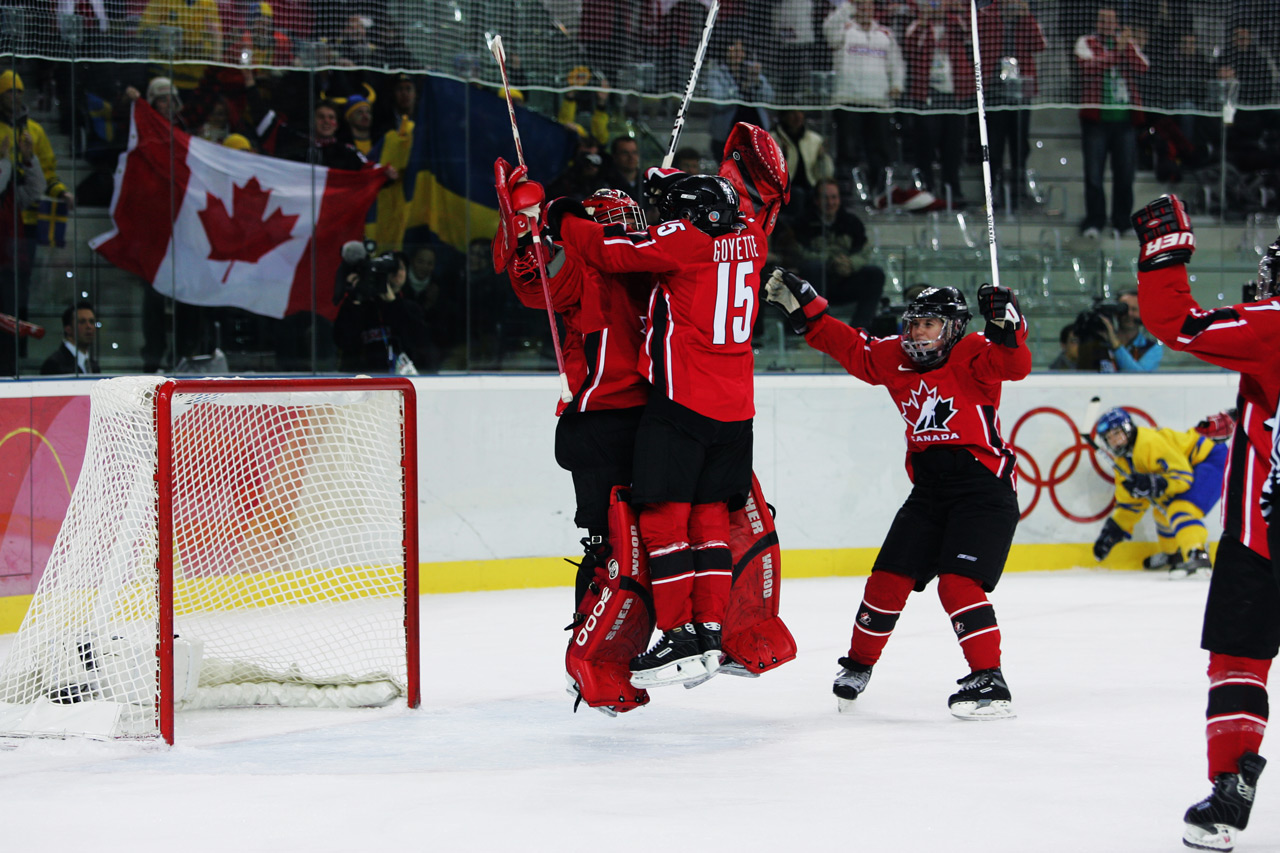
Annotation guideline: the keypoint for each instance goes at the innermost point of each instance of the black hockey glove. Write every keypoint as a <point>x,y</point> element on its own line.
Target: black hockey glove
<point>1145,485</point>
<point>1164,234</point>
<point>1107,539</point>
<point>657,181</point>
<point>996,302</point>
<point>555,212</point>
<point>795,298</point>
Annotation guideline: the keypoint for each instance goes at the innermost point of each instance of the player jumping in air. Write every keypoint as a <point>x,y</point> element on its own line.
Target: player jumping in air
<point>958,522</point>
<point>1242,616</point>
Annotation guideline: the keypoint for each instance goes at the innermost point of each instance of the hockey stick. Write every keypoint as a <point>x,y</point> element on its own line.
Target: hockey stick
<point>566,395</point>
<point>693,82</point>
<point>21,328</point>
<point>982,134</point>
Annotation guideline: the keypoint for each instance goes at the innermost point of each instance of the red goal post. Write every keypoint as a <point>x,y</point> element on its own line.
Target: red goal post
<point>230,542</point>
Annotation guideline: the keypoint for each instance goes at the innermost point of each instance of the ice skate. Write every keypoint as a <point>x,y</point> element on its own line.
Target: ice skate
<point>1161,560</point>
<point>1197,564</point>
<point>983,695</point>
<point>674,659</point>
<point>850,681</point>
<point>729,666</point>
<point>1214,822</point>
<point>709,642</point>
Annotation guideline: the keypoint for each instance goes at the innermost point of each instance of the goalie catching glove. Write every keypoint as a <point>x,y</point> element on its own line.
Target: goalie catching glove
<point>1164,234</point>
<point>999,307</point>
<point>519,207</point>
<point>658,182</point>
<point>795,298</point>
<point>1107,539</point>
<point>1145,485</point>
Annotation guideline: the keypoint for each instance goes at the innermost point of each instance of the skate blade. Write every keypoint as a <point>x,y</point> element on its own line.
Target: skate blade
<point>607,710</point>
<point>1219,837</point>
<point>1194,574</point>
<point>845,706</point>
<point>703,679</point>
<point>676,672</point>
<point>732,667</point>
<point>999,709</point>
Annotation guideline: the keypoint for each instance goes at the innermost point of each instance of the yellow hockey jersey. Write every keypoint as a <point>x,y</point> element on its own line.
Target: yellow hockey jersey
<point>1166,452</point>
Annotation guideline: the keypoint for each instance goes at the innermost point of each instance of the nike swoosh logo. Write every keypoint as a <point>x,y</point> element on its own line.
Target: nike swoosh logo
<point>906,369</point>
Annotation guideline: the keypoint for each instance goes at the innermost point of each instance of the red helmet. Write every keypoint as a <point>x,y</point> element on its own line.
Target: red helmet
<point>609,205</point>
<point>757,168</point>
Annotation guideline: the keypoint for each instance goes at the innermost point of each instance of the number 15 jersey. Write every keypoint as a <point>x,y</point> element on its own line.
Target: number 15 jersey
<point>697,346</point>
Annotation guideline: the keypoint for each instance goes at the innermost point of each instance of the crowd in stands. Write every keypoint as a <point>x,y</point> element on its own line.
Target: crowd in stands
<point>896,77</point>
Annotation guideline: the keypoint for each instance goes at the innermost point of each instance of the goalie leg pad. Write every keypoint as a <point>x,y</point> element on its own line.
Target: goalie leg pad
<point>618,618</point>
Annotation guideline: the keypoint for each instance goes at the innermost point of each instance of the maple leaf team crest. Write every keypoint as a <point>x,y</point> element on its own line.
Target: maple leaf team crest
<point>931,413</point>
<point>244,235</point>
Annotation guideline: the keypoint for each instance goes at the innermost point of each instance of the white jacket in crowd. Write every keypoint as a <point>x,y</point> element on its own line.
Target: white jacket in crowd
<point>868,62</point>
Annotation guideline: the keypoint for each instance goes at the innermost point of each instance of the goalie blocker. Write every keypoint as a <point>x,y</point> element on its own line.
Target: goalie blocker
<point>619,606</point>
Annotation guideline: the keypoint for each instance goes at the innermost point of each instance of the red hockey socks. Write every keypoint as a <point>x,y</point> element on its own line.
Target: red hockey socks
<point>972,618</point>
<point>664,527</point>
<point>1237,714</point>
<point>712,561</point>
<point>882,603</point>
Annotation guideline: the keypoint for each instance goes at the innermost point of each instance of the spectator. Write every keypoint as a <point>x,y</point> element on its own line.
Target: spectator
<point>216,126</point>
<point>808,161</point>
<point>323,147</point>
<point>1069,357</point>
<point>1251,141</point>
<point>1110,64</point>
<point>75,355</point>
<point>20,185</point>
<point>163,97</point>
<point>1129,346</point>
<point>359,123</point>
<point>870,74</point>
<point>936,48</point>
<point>584,174</point>
<point>1177,474</point>
<point>198,23</point>
<point>1180,140</point>
<point>834,254</point>
<point>624,167</point>
<point>386,333</point>
<point>15,124</point>
<point>586,108</point>
<point>1011,40</point>
<point>263,44</point>
<point>733,82</point>
<point>687,160</point>
<point>795,48</point>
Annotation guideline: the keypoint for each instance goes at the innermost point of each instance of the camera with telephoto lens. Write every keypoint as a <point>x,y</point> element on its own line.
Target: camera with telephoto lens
<point>371,271</point>
<point>1089,324</point>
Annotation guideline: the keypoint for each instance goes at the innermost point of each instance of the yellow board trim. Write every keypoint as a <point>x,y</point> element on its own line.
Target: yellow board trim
<point>537,572</point>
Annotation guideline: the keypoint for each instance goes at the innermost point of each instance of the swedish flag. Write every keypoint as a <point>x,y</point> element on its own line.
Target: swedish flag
<point>460,131</point>
<point>51,223</point>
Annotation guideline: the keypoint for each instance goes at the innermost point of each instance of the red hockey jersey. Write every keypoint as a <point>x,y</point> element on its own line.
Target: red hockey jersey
<point>1240,338</point>
<point>697,348</point>
<point>603,317</point>
<point>952,405</point>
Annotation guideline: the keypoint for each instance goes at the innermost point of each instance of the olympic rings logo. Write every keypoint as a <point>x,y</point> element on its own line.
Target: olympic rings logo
<point>1064,465</point>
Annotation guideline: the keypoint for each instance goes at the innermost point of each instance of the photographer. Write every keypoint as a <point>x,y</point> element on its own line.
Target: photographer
<point>378,329</point>
<point>1113,340</point>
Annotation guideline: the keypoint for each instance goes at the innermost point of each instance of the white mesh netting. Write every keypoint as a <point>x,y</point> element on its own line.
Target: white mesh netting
<point>288,562</point>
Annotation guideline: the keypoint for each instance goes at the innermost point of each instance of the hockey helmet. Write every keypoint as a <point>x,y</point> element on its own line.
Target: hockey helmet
<point>708,201</point>
<point>1268,272</point>
<point>1116,433</point>
<point>943,303</point>
<point>608,206</point>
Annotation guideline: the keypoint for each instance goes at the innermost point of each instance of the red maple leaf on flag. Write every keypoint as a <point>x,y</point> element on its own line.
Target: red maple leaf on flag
<point>244,235</point>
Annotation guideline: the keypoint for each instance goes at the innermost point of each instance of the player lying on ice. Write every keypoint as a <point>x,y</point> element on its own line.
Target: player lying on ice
<point>958,522</point>
<point>1178,474</point>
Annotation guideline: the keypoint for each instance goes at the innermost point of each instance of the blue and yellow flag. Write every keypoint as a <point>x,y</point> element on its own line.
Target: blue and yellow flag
<point>51,223</point>
<point>460,131</point>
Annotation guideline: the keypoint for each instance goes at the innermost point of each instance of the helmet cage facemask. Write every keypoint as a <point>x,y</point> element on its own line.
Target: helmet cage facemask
<point>614,207</point>
<point>945,304</point>
<point>1113,421</point>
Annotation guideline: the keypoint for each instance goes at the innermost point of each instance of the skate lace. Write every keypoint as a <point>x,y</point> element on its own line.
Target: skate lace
<point>977,680</point>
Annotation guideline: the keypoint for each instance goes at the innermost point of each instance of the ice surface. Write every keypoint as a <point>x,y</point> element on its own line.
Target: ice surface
<point>1105,755</point>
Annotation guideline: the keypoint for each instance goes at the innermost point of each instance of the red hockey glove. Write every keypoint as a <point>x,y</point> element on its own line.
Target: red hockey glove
<point>795,298</point>
<point>1218,426</point>
<point>657,181</point>
<point>996,302</point>
<point>519,207</point>
<point>1164,234</point>
<point>557,210</point>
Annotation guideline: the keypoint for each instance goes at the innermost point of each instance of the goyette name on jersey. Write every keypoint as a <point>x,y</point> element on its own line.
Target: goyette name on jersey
<point>741,248</point>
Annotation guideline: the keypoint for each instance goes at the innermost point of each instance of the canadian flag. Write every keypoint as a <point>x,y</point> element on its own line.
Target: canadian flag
<point>210,225</point>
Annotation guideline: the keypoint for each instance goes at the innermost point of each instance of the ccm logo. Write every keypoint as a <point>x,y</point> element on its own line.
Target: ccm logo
<point>1170,241</point>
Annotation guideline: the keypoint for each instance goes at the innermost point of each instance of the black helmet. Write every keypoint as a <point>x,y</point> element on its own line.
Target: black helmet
<point>708,201</point>
<point>1269,272</point>
<point>946,304</point>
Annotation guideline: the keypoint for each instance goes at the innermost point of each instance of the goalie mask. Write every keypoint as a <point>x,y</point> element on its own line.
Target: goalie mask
<point>945,304</point>
<point>755,165</point>
<point>1268,271</point>
<point>1116,433</point>
<point>708,201</point>
<point>608,206</point>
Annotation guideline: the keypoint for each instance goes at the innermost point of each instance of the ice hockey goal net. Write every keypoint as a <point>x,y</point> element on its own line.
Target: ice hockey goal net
<point>229,542</point>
